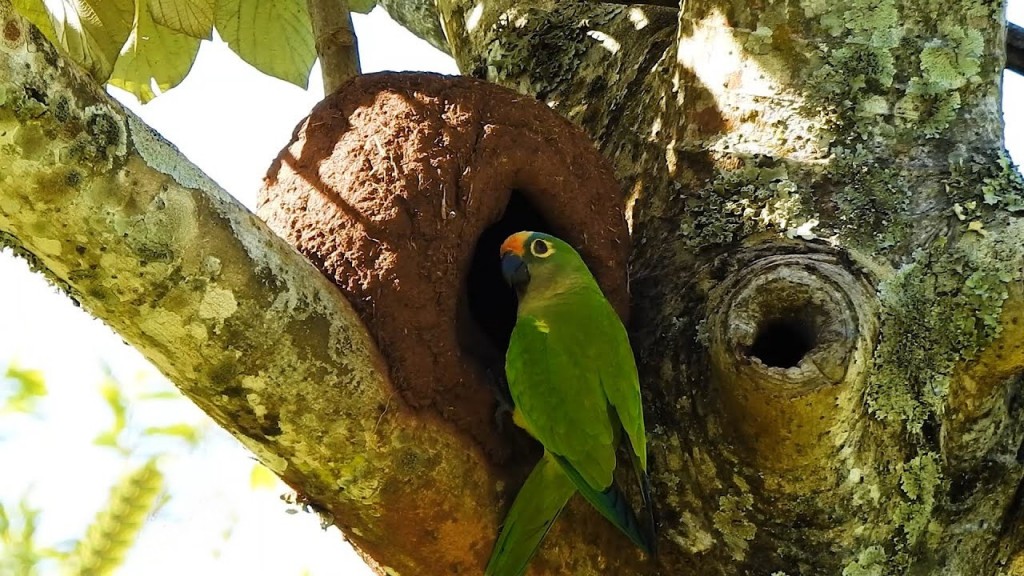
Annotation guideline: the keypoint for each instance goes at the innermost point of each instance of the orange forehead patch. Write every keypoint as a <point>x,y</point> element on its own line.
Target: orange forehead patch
<point>515,243</point>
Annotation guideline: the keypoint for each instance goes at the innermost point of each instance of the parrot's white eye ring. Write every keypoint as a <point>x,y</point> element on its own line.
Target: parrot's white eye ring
<point>541,248</point>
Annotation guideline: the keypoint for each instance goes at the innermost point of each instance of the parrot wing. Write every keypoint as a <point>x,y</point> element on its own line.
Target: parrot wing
<point>556,384</point>
<point>558,396</point>
<point>619,379</point>
<point>622,387</point>
<point>534,510</point>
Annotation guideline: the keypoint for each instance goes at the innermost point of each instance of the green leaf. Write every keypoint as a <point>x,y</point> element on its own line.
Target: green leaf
<point>361,6</point>
<point>186,432</point>
<point>30,386</point>
<point>261,477</point>
<point>191,17</point>
<point>90,32</point>
<point>154,54</point>
<point>274,36</point>
<point>107,439</point>
<point>111,392</point>
<point>29,520</point>
<point>19,551</point>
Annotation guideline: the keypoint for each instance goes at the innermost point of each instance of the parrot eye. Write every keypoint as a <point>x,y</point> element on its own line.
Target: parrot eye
<point>541,248</point>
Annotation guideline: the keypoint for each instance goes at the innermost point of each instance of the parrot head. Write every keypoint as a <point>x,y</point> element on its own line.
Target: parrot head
<point>531,258</point>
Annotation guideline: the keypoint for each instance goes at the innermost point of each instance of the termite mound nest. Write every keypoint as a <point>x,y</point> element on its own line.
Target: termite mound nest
<point>401,187</point>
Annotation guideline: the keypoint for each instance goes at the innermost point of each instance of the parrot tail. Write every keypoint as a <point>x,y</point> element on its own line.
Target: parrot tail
<point>537,505</point>
<point>613,505</point>
<point>650,529</point>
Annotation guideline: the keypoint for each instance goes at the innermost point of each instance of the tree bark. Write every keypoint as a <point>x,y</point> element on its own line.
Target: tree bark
<point>826,273</point>
<point>827,285</point>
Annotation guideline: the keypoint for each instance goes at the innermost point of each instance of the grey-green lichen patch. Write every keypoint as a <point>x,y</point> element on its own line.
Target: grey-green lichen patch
<point>892,71</point>
<point>732,523</point>
<point>849,76</point>
<point>875,22</point>
<point>31,141</point>
<point>920,480</point>
<point>217,304</point>
<point>26,103</point>
<point>939,310</point>
<point>1002,186</point>
<point>759,196</point>
<point>870,201</point>
<point>871,561</point>
<point>105,137</point>
<point>693,538</point>
<point>269,459</point>
<point>760,40</point>
<point>942,309</point>
<point>947,65</point>
<point>168,222</point>
<point>62,109</point>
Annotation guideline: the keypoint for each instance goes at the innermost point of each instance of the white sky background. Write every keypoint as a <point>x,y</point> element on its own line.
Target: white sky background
<point>231,121</point>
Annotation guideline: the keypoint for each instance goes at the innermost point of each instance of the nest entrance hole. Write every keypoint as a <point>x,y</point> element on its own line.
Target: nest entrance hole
<point>491,302</point>
<point>782,341</point>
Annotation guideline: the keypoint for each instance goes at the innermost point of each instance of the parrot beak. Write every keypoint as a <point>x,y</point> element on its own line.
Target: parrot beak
<point>514,270</point>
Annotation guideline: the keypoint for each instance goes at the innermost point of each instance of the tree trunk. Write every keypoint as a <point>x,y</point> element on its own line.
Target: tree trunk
<point>826,271</point>
<point>826,274</point>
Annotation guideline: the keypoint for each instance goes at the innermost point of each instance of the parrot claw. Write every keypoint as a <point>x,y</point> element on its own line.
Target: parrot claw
<point>504,407</point>
<point>501,394</point>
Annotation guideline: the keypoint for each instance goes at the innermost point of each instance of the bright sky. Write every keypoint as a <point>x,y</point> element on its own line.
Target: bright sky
<point>231,121</point>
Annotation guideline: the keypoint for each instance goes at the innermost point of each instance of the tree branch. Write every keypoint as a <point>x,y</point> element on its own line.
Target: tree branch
<point>336,43</point>
<point>1014,48</point>
<point>120,221</point>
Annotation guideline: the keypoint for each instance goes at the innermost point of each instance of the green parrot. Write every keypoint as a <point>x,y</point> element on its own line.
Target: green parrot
<point>574,387</point>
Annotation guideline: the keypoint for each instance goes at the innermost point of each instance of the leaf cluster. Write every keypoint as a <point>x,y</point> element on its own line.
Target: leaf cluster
<point>147,47</point>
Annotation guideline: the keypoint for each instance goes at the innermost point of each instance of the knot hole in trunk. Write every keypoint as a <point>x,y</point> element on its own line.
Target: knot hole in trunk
<point>789,337</point>
<point>783,341</point>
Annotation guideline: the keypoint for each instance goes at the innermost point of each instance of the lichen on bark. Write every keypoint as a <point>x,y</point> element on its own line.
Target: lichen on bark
<point>869,130</point>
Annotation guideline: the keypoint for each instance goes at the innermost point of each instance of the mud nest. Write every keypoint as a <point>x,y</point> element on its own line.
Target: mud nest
<point>401,187</point>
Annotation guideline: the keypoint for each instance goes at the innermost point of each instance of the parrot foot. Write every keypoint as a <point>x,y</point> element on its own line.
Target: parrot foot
<point>504,407</point>
<point>501,394</point>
